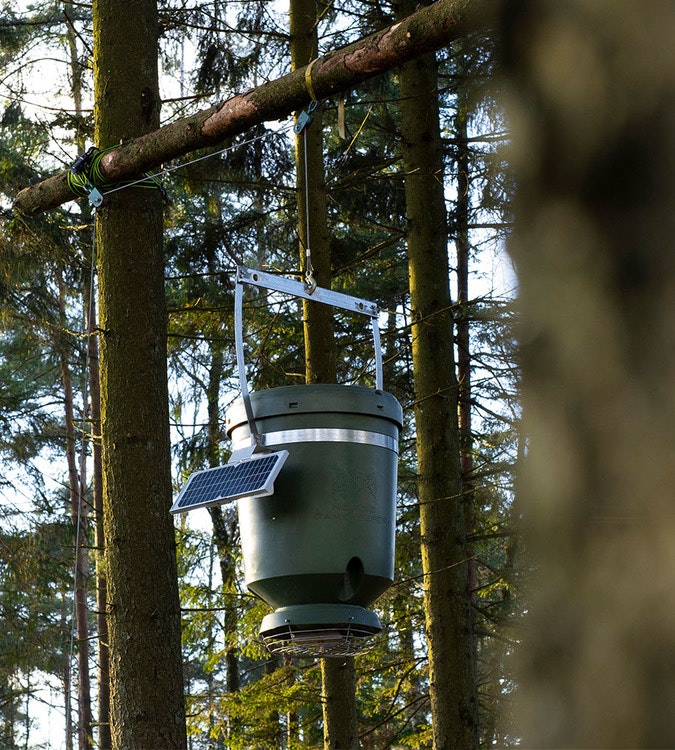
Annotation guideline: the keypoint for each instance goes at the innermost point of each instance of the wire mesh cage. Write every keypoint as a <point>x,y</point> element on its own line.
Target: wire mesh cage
<point>319,641</point>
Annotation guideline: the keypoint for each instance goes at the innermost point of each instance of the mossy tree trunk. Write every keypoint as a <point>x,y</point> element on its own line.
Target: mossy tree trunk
<point>442,516</point>
<point>338,679</point>
<point>144,617</point>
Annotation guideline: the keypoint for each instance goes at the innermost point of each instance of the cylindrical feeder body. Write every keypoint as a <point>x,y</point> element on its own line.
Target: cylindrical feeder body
<point>326,535</point>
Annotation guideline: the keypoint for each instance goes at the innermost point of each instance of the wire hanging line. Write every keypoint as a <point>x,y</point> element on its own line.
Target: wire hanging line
<point>86,179</point>
<point>300,129</point>
<point>81,487</point>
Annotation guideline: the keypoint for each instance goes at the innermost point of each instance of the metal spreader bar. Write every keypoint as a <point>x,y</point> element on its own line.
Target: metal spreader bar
<point>252,469</point>
<point>319,294</point>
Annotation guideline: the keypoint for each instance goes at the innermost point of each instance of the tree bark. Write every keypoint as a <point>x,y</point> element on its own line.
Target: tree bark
<point>428,29</point>
<point>144,617</point>
<point>338,678</point>
<point>593,149</point>
<point>79,518</point>
<point>442,517</point>
<point>338,690</point>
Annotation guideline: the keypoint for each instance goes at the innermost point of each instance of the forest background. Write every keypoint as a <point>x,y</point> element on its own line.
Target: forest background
<point>245,204</point>
<point>239,206</point>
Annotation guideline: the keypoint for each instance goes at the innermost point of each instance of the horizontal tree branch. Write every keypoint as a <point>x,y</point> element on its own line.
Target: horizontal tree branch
<point>426,30</point>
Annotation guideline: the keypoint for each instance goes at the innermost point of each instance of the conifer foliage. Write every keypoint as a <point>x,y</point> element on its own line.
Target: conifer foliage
<point>240,206</point>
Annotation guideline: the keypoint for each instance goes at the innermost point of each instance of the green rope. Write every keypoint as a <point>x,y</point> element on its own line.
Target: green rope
<point>78,184</point>
<point>88,174</point>
<point>85,173</point>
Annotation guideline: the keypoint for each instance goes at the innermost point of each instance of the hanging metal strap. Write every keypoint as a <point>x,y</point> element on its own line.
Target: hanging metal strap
<point>256,441</point>
<point>296,289</point>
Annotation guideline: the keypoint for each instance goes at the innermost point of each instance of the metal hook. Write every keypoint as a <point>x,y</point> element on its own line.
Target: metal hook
<point>310,281</point>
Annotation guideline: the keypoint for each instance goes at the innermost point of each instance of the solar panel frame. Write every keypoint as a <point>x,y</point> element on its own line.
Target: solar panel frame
<point>250,477</point>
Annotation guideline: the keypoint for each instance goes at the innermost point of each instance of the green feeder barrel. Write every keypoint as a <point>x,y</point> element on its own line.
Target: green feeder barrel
<point>321,548</point>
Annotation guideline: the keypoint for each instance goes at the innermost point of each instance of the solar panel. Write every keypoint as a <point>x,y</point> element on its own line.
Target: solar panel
<point>252,476</point>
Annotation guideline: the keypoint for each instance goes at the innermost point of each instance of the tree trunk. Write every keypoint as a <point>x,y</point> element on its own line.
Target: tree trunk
<point>593,150</point>
<point>223,528</point>
<point>144,617</point>
<point>66,679</point>
<point>104,736</point>
<point>337,675</point>
<point>463,328</point>
<point>223,533</point>
<point>78,514</point>
<point>427,29</point>
<point>463,248</point>
<point>103,688</point>
<point>442,518</point>
<point>338,690</point>
<point>320,364</point>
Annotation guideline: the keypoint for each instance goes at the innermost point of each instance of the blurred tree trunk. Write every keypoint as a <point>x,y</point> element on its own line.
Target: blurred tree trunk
<point>593,114</point>
<point>147,708</point>
<point>441,489</point>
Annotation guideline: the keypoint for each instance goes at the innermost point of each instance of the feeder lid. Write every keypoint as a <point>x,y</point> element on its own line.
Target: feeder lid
<point>319,630</point>
<point>317,398</point>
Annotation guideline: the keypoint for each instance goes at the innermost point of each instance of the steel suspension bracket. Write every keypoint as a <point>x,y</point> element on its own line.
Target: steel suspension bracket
<point>305,118</point>
<point>296,289</point>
